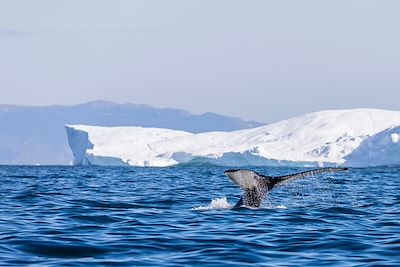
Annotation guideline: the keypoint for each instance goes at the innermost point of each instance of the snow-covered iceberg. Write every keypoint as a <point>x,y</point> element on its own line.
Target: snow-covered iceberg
<point>317,139</point>
<point>381,149</point>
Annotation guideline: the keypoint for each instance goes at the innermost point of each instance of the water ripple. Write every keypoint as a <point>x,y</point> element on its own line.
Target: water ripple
<point>182,216</point>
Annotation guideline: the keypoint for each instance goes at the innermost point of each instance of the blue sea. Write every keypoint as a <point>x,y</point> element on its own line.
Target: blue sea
<point>183,216</point>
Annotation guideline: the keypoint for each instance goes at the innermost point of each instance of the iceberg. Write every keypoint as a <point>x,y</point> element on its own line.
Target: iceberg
<point>325,138</point>
<point>381,149</point>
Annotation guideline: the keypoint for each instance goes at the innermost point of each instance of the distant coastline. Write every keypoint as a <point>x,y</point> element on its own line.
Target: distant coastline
<point>33,135</point>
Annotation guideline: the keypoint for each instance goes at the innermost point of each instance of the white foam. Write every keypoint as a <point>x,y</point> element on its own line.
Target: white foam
<point>222,203</point>
<point>271,206</point>
<point>217,203</point>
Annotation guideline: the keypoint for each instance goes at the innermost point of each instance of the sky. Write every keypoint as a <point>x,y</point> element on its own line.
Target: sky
<point>258,60</point>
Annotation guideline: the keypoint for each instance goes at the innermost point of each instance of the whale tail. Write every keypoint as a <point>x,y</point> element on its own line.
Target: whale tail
<point>256,185</point>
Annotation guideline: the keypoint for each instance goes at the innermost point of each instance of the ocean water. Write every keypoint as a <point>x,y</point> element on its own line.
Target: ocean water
<point>182,216</point>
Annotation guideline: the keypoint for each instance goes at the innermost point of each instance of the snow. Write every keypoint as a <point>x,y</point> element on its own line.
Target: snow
<point>395,138</point>
<point>316,139</point>
<point>381,149</point>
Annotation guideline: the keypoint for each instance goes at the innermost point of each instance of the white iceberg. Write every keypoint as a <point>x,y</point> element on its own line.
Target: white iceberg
<point>381,149</point>
<point>317,139</point>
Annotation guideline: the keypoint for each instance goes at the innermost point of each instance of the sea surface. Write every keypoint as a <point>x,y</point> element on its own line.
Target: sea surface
<point>183,216</point>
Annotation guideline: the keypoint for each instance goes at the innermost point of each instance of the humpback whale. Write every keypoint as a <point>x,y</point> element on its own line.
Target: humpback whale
<point>256,185</point>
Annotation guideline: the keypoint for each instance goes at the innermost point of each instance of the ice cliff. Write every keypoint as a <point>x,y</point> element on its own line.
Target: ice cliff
<point>381,149</point>
<point>357,137</point>
<point>31,135</point>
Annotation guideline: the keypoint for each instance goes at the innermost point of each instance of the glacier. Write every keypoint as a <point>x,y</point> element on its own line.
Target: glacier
<point>353,137</point>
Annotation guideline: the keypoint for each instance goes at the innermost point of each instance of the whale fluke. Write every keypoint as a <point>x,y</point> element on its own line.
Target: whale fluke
<point>256,185</point>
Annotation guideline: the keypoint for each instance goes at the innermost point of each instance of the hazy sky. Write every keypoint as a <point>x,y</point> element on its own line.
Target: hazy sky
<point>261,60</point>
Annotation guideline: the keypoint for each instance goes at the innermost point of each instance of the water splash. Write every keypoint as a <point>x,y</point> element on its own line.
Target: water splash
<point>217,203</point>
<point>222,203</point>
